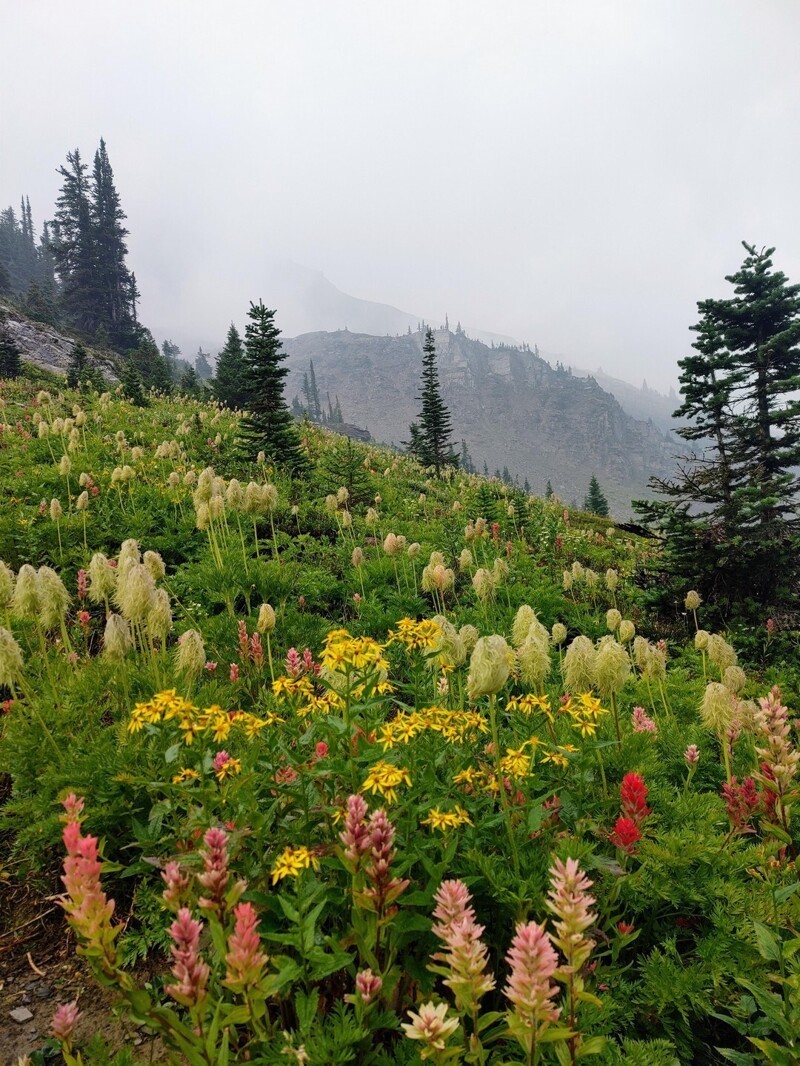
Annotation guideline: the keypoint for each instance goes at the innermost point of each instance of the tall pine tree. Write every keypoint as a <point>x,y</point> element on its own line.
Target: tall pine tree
<point>430,435</point>
<point>730,516</point>
<point>73,247</point>
<point>114,282</point>
<point>269,426</point>
<point>230,386</point>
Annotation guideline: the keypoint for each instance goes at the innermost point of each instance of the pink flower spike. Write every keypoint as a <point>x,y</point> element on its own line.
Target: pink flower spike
<point>63,1024</point>
<point>692,755</point>
<point>245,960</point>
<point>532,960</point>
<point>188,969</point>
<point>177,884</point>
<point>355,837</point>
<point>368,985</point>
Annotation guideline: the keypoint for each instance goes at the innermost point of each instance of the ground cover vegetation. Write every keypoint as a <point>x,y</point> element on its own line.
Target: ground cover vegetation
<point>376,766</point>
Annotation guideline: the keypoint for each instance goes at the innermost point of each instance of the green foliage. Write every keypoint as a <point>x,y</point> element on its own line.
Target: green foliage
<point>729,518</point>
<point>269,426</point>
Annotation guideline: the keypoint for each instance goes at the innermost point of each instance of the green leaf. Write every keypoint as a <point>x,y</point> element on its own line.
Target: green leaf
<point>782,894</point>
<point>768,947</point>
<point>593,1046</point>
<point>171,754</point>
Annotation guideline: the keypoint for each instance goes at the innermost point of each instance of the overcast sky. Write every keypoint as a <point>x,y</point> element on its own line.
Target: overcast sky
<point>575,173</point>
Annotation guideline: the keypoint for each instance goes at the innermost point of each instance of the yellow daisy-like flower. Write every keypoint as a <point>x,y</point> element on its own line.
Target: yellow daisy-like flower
<point>343,652</point>
<point>384,778</point>
<point>185,775</point>
<point>416,636</point>
<point>443,820</point>
<point>229,768</point>
<point>292,861</point>
<point>471,776</point>
<point>516,762</point>
<point>531,704</point>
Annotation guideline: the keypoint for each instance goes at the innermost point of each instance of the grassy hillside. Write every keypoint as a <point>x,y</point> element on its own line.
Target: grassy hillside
<point>380,768</point>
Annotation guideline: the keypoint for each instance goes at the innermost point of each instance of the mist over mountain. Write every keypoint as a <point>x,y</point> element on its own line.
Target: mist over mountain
<point>510,407</point>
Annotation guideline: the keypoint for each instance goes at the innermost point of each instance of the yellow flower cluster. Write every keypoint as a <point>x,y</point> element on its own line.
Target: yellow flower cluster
<point>291,861</point>
<point>416,636</point>
<point>452,725</point>
<point>531,704</point>
<point>192,721</point>
<point>585,711</point>
<point>558,756</point>
<point>444,820</point>
<point>384,778</point>
<point>343,653</point>
<point>517,762</point>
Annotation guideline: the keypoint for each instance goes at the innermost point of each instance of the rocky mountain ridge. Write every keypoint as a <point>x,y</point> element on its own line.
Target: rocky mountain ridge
<point>509,405</point>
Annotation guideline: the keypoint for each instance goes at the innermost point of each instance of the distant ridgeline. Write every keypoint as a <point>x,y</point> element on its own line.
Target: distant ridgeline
<point>509,406</point>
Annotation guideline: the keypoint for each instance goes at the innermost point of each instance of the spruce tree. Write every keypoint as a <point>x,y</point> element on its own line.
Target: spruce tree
<point>202,365</point>
<point>77,366</point>
<point>269,426</point>
<point>548,490</point>
<point>730,517</point>
<point>132,387</point>
<point>434,447</point>
<point>10,353</point>
<point>73,247</point>
<point>230,386</point>
<point>114,281</point>
<point>595,500</point>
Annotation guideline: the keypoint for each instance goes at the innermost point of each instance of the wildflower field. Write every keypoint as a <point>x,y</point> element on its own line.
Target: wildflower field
<point>375,767</point>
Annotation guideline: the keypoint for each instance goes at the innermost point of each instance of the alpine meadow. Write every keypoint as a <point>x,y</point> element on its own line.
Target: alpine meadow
<point>320,746</point>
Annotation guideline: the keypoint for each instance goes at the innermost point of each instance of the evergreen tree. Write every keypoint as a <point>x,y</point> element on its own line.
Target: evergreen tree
<point>171,353</point>
<point>731,512</point>
<point>73,247</point>
<point>269,426</point>
<point>114,282</point>
<point>77,366</point>
<point>5,280</point>
<point>10,353</point>
<point>548,491</point>
<point>434,423</point>
<point>190,383</point>
<point>132,387</point>
<point>315,407</point>
<point>202,365</point>
<point>230,385</point>
<point>595,500</point>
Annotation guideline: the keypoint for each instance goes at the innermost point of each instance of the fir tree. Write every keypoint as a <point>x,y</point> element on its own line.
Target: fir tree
<point>435,427</point>
<point>190,383</point>
<point>595,500</point>
<point>10,353</point>
<point>114,282</point>
<point>730,516</point>
<point>73,247</point>
<point>269,426</point>
<point>229,385</point>
<point>77,366</point>
<point>202,365</point>
<point>548,492</point>
<point>132,387</point>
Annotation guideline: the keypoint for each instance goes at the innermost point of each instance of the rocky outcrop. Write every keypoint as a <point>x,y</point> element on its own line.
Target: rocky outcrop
<point>45,346</point>
<point>510,407</point>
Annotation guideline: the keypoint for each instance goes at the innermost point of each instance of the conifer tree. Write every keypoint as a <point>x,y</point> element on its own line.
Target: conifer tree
<point>77,366</point>
<point>10,353</point>
<point>730,516</point>
<point>114,280</point>
<point>202,365</point>
<point>73,246</point>
<point>595,500</point>
<point>433,445</point>
<point>548,490</point>
<point>269,426</point>
<point>132,387</point>
<point>230,386</point>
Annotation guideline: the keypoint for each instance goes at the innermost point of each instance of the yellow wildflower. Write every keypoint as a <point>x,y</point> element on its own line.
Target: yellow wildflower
<point>416,636</point>
<point>185,775</point>
<point>444,820</point>
<point>228,768</point>
<point>291,861</point>
<point>384,778</point>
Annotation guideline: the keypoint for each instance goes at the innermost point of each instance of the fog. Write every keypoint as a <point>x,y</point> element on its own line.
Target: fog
<point>575,174</point>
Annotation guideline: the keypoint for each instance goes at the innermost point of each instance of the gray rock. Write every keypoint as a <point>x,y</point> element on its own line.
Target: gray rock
<point>20,1015</point>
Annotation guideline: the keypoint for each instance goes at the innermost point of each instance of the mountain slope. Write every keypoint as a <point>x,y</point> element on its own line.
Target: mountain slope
<point>511,407</point>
